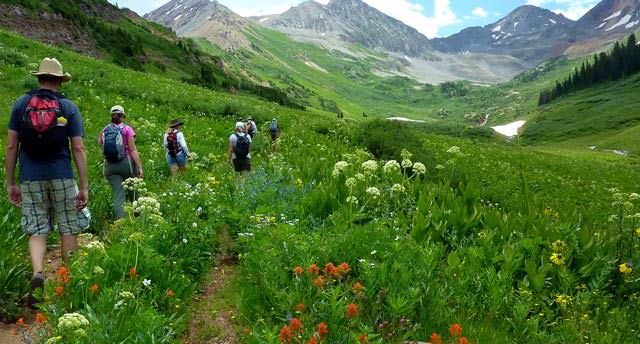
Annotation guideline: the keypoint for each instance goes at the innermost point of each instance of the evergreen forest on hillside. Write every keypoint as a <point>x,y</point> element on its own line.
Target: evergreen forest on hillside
<point>622,61</point>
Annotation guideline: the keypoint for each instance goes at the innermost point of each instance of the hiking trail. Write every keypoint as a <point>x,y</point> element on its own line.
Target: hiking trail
<point>213,316</point>
<point>13,333</point>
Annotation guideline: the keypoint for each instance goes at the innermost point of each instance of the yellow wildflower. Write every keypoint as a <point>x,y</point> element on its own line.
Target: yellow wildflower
<point>626,268</point>
<point>558,246</point>
<point>563,300</point>
<point>557,259</point>
<point>638,232</point>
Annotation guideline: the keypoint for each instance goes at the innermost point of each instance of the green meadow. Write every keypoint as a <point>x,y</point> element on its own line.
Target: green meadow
<point>352,230</point>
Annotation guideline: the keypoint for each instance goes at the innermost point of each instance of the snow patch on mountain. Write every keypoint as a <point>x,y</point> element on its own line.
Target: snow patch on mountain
<point>509,130</point>
<point>615,15</point>
<point>624,21</point>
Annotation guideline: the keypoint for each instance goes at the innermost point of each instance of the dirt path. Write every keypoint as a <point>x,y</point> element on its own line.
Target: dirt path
<point>14,334</point>
<point>213,311</point>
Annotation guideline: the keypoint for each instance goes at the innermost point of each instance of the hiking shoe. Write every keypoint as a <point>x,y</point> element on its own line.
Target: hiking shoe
<point>36,282</point>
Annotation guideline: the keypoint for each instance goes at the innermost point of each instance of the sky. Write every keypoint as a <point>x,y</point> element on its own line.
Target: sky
<point>434,18</point>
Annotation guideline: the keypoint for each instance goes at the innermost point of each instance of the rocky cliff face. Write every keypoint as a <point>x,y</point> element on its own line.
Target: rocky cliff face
<point>203,18</point>
<point>350,21</point>
<point>529,33</point>
<point>533,34</point>
<point>611,17</point>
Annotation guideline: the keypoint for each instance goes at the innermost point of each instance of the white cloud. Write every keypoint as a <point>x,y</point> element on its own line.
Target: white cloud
<point>139,6</point>
<point>411,14</point>
<point>480,12</point>
<point>572,9</point>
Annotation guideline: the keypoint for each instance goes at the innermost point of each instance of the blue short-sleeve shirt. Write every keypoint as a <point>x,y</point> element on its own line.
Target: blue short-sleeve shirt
<point>57,166</point>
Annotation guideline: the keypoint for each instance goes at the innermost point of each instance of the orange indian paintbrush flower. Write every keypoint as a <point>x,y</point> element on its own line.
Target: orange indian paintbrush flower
<point>352,311</point>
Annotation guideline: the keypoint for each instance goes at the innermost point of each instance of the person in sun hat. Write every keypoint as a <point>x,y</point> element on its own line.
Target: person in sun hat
<point>43,126</point>
<point>239,151</point>
<point>121,158</point>
<point>251,127</point>
<point>176,147</point>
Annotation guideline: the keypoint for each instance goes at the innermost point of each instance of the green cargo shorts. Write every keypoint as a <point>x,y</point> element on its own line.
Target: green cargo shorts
<point>47,200</point>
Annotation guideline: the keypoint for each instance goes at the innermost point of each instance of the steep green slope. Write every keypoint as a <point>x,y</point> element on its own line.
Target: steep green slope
<point>120,36</point>
<point>151,102</point>
<point>605,115</point>
<point>100,29</point>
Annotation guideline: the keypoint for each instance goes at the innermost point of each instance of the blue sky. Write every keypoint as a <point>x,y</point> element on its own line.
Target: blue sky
<point>434,18</point>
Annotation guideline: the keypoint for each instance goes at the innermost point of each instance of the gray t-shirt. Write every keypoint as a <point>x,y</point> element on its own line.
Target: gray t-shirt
<point>57,166</point>
<point>233,139</point>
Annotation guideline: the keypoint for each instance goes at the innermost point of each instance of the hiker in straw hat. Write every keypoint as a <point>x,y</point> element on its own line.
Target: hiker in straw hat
<point>42,123</point>
<point>176,147</point>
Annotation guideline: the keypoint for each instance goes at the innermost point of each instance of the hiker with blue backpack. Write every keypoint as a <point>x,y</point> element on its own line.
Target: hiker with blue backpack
<point>121,158</point>
<point>239,152</point>
<point>176,147</point>
<point>274,130</point>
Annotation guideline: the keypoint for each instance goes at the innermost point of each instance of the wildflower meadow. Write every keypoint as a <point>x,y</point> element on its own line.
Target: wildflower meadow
<point>339,236</point>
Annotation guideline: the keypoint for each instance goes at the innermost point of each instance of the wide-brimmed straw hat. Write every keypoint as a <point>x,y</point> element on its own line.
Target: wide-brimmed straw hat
<point>175,123</point>
<point>52,67</point>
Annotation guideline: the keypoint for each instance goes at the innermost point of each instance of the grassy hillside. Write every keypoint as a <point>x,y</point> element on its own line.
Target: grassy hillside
<point>466,238</point>
<point>334,81</point>
<point>100,29</point>
<point>119,36</point>
<point>605,116</point>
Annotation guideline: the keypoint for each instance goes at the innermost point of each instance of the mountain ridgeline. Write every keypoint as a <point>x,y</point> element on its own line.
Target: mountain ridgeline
<point>494,53</point>
<point>622,61</point>
<point>352,21</point>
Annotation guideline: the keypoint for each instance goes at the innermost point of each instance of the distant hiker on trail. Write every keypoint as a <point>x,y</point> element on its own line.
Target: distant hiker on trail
<point>252,128</point>
<point>275,132</point>
<point>176,147</point>
<point>239,150</point>
<point>121,158</point>
<point>41,125</point>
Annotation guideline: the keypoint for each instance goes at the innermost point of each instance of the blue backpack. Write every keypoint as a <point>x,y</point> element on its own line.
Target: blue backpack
<point>242,147</point>
<point>113,143</point>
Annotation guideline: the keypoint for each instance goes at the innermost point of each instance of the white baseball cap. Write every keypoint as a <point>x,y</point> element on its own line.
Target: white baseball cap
<point>117,109</point>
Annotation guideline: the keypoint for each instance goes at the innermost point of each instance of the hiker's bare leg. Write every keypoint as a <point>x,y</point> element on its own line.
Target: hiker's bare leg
<point>37,251</point>
<point>174,170</point>
<point>183,169</point>
<point>69,244</point>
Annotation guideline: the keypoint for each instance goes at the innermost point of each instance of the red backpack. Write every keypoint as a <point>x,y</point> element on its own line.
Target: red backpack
<point>43,131</point>
<point>173,146</point>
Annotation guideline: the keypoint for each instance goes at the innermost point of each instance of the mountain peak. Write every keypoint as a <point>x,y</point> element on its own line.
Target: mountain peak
<point>203,18</point>
<point>349,21</point>
<point>349,3</point>
<point>610,17</point>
